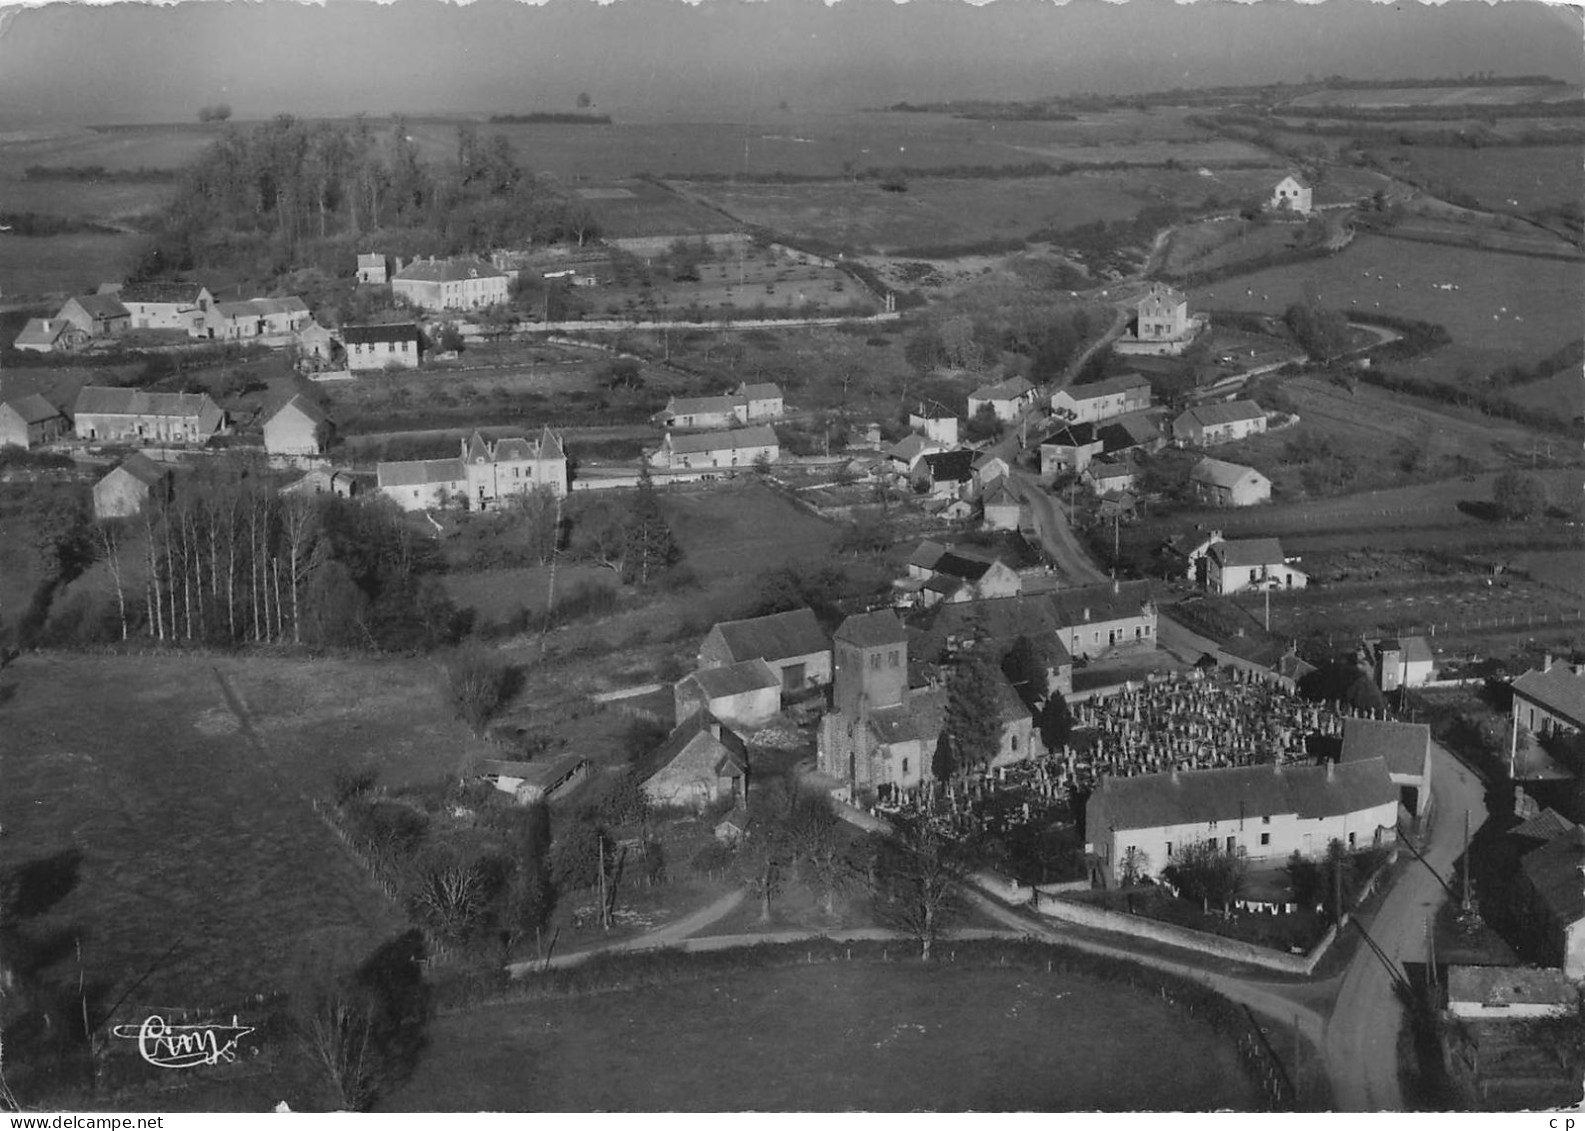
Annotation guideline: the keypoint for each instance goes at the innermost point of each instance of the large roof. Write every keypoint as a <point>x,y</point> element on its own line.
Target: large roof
<point>41,332</point>
<point>1099,603</point>
<point>950,467</point>
<point>1192,797</point>
<point>1109,387</point>
<point>389,332</point>
<point>304,405</point>
<point>141,468</point>
<point>1241,552</point>
<point>261,307</point>
<point>734,679</point>
<point>1001,620</point>
<point>1072,436</point>
<point>734,750</point>
<point>32,408</point>
<point>1554,871</point>
<point>1548,824</point>
<point>911,446</point>
<point>177,294</point>
<point>1008,390</point>
<point>1208,415</point>
<point>730,439</point>
<point>779,636</point>
<point>873,630</point>
<point>1220,473</point>
<point>98,306</point>
<point>448,270</point>
<point>762,391</point>
<point>1510,985</point>
<point>1131,431</point>
<point>419,472</point>
<point>1558,689</point>
<point>1403,746</point>
<point>700,406</point>
<point>102,400</point>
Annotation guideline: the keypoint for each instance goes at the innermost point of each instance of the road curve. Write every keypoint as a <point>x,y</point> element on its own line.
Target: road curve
<point>1055,535</point>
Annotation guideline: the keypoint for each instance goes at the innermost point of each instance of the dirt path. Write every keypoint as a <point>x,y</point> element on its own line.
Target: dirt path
<point>669,935</point>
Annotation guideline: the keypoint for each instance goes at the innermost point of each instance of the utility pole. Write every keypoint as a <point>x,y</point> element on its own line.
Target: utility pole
<point>1466,862</point>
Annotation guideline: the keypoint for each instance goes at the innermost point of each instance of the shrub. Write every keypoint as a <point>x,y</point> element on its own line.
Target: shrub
<point>478,685</point>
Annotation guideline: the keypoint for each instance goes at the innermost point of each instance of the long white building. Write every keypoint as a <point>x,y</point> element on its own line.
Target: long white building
<point>480,477</point>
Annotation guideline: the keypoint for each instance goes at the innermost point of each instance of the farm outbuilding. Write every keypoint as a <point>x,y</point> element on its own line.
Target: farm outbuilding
<point>1221,484</point>
<point>134,482</point>
<point>746,694</point>
<point>700,763</point>
<point>792,643</point>
<point>298,427</point>
<point>1209,424</point>
<point>1404,747</point>
<point>29,421</point>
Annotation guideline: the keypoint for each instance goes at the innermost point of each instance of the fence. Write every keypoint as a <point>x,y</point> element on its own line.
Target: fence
<point>1511,622</point>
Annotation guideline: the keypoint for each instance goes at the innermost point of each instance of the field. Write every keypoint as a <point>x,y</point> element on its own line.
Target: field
<point>1562,392</point>
<point>856,1036</point>
<point>643,208</point>
<point>63,265</point>
<point>1508,308</point>
<point>1449,96</point>
<point>753,282</point>
<point>187,788</point>
<point>1520,179</point>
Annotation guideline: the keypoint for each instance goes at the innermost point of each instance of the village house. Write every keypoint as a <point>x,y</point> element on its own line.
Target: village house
<point>323,481</point>
<point>1184,553</point>
<point>450,284</point>
<point>750,404</point>
<point>1069,449</point>
<point>1234,565</point>
<point>99,316</point>
<point>736,447</point>
<point>1102,400</point>
<point>260,318</point>
<point>1551,700</point>
<point>166,306</point>
<point>397,345</point>
<point>1005,399</point>
<point>1404,661</point>
<point>937,637</point>
<point>1266,812</point>
<point>107,414</point>
<point>935,423</point>
<point>298,427</point>
<point>481,476</point>
<point>939,573</point>
<point>134,482</point>
<point>792,643</point>
<point>1509,993</point>
<point>905,454</point>
<point>946,474</point>
<point>699,764</point>
<point>988,468</point>
<point>762,401</point>
<point>1161,325</point>
<point>1110,475</point>
<point>745,695</point>
<point>372,269</point>
<point>1553,879</point>
<point>50,335</point>
<point>1003,506</point>
<point>30,421</point>
<point>1406,750</point>
<point>1134,432</point>
<point>316,347</point>
<point>1209,424</point>
<point>1094,619</point>
<point>1218,483</point>
<point>1291,195</point>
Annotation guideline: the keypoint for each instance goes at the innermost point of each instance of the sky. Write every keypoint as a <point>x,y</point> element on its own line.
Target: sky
<point>725,59</point>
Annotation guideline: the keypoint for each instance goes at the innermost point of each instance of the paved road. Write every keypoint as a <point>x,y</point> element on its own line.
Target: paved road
<point>1055,535</point>
<point>1362,1034</point>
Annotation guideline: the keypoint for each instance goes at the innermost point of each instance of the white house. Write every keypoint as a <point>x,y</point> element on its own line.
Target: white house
<point>1161,325</point>
<point>1219,483</point>
<point>483,475</point>
<point>371,268</point>
<point>1094,619</point>
<point>935,424</point>
<point>397,345</point>
<point>1221,423</point>
<point>1266,812</point>
<point>103,413</point>
<point>1552,699</point>
<point>1291,195</point>
<point>450,284</point>
<point>1405,661</point>
<point>99,316</point>
<point>1232,566</point>
<point>298,427</point>
<point>1404,747</point>
<point>260,318</point>
<point>736,447</point>
<point>167,306</point>
<point>29,421</point>
<point>1115,396</point>
<point>1005,399</point>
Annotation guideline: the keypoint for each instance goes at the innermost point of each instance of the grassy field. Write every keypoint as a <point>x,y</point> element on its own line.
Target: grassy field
<point>187,787</point>
<point>643,208</point>
<point>837,1037</point>
<point>756,279</point>
<point>60,266</point>
<point>1562,392</point>
<point>1452,95</point>
<point>1502,178</point>
<point>1508,308</point>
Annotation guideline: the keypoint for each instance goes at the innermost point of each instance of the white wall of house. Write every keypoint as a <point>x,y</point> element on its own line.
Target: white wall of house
<point>1236,579</point>
<point>1094,637</point>
<point>363,356</point>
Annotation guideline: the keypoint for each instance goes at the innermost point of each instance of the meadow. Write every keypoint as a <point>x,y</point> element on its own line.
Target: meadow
<point>644,208</point>
<point>1518,178</point>
<point>1508,308</point>
<point>860,1036</point>
<point>1454,95</point>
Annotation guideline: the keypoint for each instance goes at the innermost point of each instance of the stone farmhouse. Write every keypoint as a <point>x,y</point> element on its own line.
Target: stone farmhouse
<point>750,404</point>
<point>736,447</point>
<point>746,695</point>
<point>30,421</point>
<point>1210,424</point>
<point>483,475</point>
<point>1111,475</point>
<point>398,345</point>
<point>130,414</point>
<point>1404,747</point>
<point>166,306</point>
<point>258,318</point>
<point>372,269</point>
<point>1091,620</point>
<point>1102,400</point>
<point>1161,325</point>
<point>1218,483</point>
<point>1232,566</point>
<point>792,643</point>
<point>1070,448</point>
<point>134,482</point>
<point>50,335</point>
<point>1551,700</point>
<point>1005,399</point>
<point>699,764</point>
<point>450,284</point>
<point>99,316</point>
<point>1291,195</point>
<point>1267,812</point>
<point>298,427</point>
<point>1555,896</point>
<point>938,573</point>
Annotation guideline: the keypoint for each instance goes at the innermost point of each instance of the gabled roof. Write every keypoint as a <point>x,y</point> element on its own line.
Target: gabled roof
<point>32,408</point>
<point>262,307</point>
<point>950,467</point>
<point>98,306</point>
<point>734,679</point>
<point>1554,871</point>
<point>448,270</point>
<point>1403,746</point>
<point>700,406</point>
<point>1107,388</point>
<point>730,439</point>
<point>301,404</point>
<point>927,554</point>
<point>1220,473</point>
<point>1132,431</point>
<point>1103,469</point>
<point>872,630</point>
<point>779,636</point>
<point>419,472</point>
<point>1192,797</point>
<point>1001,620</point>
<point>102,400</point>
<point>168,293</point>
<point>1008,390</point>
<point>1161,293</point>
<point>1558,690</point>
<point>1099,603</point>
<point>1416,650</point>
<point>141,468</point>
<point>1210,415</point>
<point>370,259</point>
<point>1240,552</point>
<point>390,332</point>
<point>1001,494</point>
<point>763,391</point>
<point>1510,985</point>
<point>1072,436</point>
<point>912,446</point>
<point>962,566</point>
<point>41,332</point>
<point>1548,824</point>
<point>734,749</point>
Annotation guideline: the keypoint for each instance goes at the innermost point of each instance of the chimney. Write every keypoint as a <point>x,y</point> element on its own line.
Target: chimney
<point>1086,613</point>
<point>715,728</point>
<point>1117,586</point>
<point>1330,767</point>
<point>1546,662</point>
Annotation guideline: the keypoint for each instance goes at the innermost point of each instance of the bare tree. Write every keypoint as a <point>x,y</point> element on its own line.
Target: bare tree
<point>109,535</point>
<point>916,874</point>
